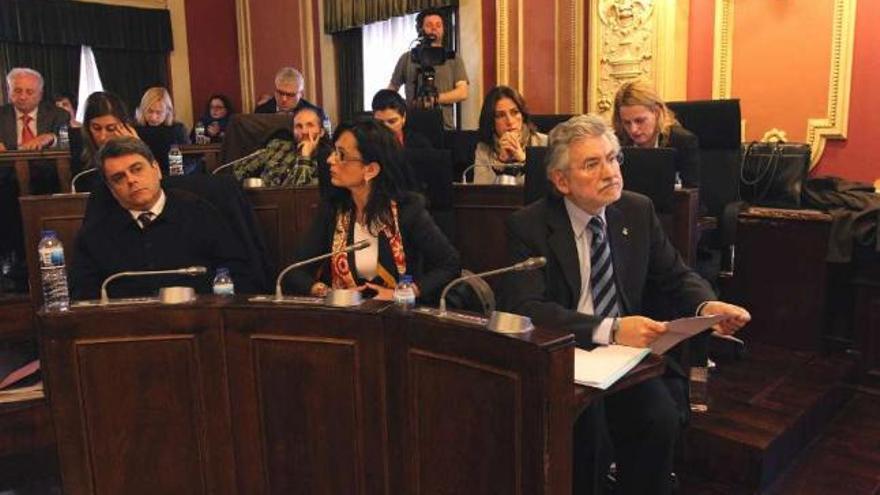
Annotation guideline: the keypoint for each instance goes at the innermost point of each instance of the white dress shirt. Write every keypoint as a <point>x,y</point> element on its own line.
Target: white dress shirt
<point>156,210</point>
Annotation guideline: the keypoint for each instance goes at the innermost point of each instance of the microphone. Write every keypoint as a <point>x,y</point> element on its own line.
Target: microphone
<point>190,270</point>
<point>237,160</point>
<point>77,176</point>
<point>472,167</point>
<point>279,295</point>
<point>529,264</point>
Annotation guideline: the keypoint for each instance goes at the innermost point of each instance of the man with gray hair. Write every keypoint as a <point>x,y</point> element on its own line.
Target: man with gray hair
<point>27,123</point>
<point>604,247</point>
<point>289,88</point>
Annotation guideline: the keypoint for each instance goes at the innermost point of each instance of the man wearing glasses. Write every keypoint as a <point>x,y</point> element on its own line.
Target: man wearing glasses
<point>289,87</point>
<point>604,246</point>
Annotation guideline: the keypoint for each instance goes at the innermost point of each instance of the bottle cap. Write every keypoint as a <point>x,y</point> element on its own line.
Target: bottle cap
<point>222,271</point>
<point>48,233</point>
<point>406,279</point>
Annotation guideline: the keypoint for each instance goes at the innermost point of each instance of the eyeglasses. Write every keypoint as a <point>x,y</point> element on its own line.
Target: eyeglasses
<point>592,165</point>
<point>285,94</point>
<point>340,156</point>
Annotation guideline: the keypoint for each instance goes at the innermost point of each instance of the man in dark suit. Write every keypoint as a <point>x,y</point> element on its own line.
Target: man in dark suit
<point>145,227</point>
<point>26,123</point>
<point>289,88</point>
<point>603,247</point>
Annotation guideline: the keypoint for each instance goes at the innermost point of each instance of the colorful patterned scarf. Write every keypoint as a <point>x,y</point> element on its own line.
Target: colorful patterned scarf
<point>389,241</point>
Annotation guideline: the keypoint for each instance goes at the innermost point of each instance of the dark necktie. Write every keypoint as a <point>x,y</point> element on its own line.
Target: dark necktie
<point>145,219</point>
<point>605,303</point>
<point>26,133</point>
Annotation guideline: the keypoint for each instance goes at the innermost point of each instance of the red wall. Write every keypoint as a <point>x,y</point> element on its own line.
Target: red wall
<point>701,36</point>
<point>857,157</point>
<point>213,51</point>
<point>275,40</point>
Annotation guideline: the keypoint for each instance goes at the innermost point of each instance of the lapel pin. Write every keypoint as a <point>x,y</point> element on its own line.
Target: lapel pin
<point>625,231</point>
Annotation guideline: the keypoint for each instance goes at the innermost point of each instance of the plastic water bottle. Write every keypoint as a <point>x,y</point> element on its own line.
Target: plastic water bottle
<point>63,137</point>
<point>175,161</point>
<point>223,285</point>
<point>678,183</point>
<point>200,133</point>
<point>699,389</point>
<point>328,127</point>
<point>53,272</point>
<point>404,293</point>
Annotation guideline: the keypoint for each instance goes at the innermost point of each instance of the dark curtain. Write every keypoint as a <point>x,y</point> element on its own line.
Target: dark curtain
<point>129,73</point>
<point>59,65</point>
<point>341,15</point>
<point>350,72</point>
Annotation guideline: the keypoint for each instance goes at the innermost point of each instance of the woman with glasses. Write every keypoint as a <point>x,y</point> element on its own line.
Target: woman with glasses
<point>505,132</point>
<point>642,119</point>
<point>368,200</point>
<point>217,113</point>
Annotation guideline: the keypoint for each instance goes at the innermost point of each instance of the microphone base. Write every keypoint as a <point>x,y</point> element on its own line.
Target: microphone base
<point>343,298</point>
<point>177,295</point>
<point>253,183</point>
<point>505,180</point>
<point>502,322</point>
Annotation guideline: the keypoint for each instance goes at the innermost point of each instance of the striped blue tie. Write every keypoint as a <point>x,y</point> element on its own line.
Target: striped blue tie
<point>605,303</point>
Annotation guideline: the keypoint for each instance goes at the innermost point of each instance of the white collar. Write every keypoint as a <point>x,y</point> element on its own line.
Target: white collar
<point>156,210</point>
<point>579,218</point>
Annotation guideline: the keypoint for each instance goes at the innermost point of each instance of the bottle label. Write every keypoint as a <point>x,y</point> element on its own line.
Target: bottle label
<point>224,290</point>
<point>52,257</point>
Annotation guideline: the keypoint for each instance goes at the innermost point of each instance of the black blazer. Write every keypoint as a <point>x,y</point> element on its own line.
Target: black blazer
<point>49,119</point>
<point>687,154</point>
<point>430,257</point>
<point>271,106</point>
<point>641,253</point>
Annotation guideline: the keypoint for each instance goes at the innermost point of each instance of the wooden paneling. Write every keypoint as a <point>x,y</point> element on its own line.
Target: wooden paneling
<point>140,404</point>
<point>480,212</point>
<point>22,161</point>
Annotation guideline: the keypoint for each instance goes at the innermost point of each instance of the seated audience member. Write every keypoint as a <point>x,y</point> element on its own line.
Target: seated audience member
<point>216,116</point>
<point>156,125</point>
<point>105,117</point>
<point>146,227</point>
<point>67,102</point>
<point>390,109</point>
<point>289,88</point>
<point>290,159</point>
<point>642,119</point>
<point>603,246</point>
<point>505,132</point>
<point>369,201</point>
<point>26,122</point>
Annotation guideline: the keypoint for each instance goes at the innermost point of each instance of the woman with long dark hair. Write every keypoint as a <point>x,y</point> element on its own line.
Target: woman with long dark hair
<point>368,200</point>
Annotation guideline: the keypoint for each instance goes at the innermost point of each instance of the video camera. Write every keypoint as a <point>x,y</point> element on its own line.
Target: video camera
<point>426,57</point>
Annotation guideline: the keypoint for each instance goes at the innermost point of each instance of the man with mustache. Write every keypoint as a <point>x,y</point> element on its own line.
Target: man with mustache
<point>604,247</point>
<point>142,225</point>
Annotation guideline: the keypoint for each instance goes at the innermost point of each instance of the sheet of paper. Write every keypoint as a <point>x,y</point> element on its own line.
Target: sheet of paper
<point>606,364</point>
<point>682,329</point>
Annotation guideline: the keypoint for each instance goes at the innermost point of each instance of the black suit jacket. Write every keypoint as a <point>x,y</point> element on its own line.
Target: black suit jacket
<point>641,254</point>
<point>271,106</point>
<point>430,257</point>
<point>190,231</point>
<point>687,154</point>
<point>49,119</point>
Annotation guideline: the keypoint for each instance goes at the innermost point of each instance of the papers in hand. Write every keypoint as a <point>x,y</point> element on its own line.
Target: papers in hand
<point>683,328</point>
<point>604,365</point>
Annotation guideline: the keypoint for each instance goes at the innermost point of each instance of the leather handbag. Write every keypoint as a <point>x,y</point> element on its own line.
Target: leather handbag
<point>773,174</point>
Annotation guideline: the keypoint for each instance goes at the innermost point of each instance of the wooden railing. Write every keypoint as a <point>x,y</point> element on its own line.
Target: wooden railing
<point>22,161</point>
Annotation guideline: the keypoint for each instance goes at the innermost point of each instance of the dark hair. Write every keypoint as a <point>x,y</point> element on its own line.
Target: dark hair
<point>386,99</point>
<point>226,103</point>
<point>99,104</point>
<point>122,146</point>
<point>376,143</point>
<point>486,131</point>
<point>65,95</point>
<point>420,19</point>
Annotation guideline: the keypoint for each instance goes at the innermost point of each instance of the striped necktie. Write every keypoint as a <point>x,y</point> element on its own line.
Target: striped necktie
<point>145,219</point>
<point>605,303</point>
<point>26,133</point>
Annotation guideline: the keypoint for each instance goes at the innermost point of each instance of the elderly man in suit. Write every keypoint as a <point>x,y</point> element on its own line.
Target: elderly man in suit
<point>604,246</point>
<point>27,123</point>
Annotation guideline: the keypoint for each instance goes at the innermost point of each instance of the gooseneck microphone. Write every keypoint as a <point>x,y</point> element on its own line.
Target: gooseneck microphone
<point>190,270</point>
<point>237,160</point>
<point>529,264</point>
<point>77,176</point>
<point>279,295</point>
<point>472,167</point>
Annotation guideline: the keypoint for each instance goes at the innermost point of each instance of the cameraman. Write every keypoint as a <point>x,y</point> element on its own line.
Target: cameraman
<point>450,77</point>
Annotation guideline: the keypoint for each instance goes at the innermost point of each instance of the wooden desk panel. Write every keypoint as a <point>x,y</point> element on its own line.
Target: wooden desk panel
<point>210,153</point>
<point>480,213</point>
<point>22,161</point>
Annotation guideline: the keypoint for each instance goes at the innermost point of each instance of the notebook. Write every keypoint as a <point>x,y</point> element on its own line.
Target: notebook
<point>604,365</point>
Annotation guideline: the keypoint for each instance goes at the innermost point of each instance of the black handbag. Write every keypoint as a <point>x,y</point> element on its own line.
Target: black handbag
<point>773,174</point>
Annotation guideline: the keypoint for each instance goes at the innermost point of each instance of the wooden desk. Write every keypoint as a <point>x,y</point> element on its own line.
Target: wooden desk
<point>209,152</point>
<point>236,397</point>
<point>23,160</point>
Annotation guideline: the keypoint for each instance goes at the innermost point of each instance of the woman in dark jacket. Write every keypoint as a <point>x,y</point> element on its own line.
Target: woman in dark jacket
<point>368,201</point>
<point>642,119</point>
<point>157,127</point>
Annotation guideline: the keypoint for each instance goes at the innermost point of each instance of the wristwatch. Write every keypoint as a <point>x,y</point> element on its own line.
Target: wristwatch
<point>615,327</point>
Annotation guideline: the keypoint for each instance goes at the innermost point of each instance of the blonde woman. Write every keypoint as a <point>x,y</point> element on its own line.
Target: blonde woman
<point>156,125</point>
<point>642,119</point>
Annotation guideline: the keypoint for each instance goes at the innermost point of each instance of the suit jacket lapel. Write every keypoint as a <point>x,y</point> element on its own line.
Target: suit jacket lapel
<point>561,242</point>
<point>618,236</point>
